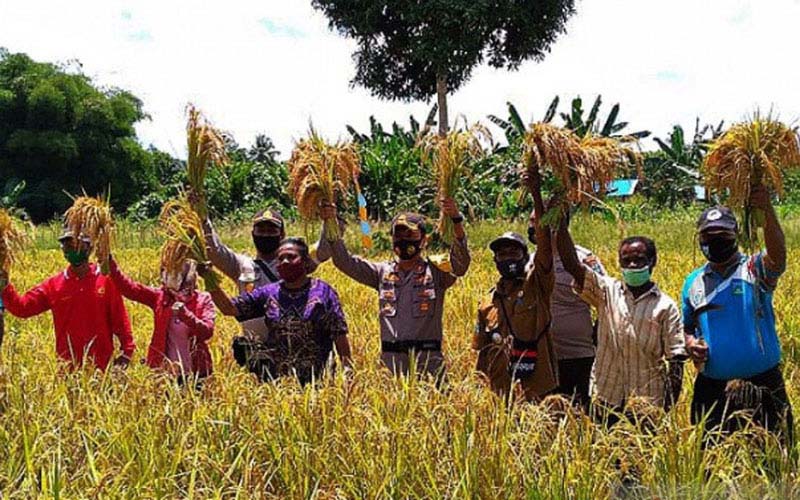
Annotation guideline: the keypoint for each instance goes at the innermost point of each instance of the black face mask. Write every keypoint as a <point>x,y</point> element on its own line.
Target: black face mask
<point>407,249</point>
<point>266,244</point>
<point>511,269</point>
<point>719,250</point>
<point>532,235</point>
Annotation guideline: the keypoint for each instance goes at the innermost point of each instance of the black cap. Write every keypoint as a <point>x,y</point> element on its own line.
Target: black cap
<point>410,220</point>
<point>720,218</point>
<point>507,238</point>
<point>269,216</point>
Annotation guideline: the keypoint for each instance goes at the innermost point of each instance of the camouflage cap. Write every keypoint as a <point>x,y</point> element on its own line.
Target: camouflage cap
<point>412,221</point>
<point>68,234</point>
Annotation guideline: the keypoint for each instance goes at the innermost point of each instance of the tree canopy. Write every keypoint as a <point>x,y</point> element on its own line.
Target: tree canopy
<point>60,132</point>
<point>412,50</point>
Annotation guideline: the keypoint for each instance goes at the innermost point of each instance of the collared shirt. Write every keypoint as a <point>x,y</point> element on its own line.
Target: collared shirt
<point>635,337</point>
<point>241,268</point>
<point>733,313</point>
<point>302,324</point>
<point>87,313</point>
<point>518,309</point>
<point>572,325</point>
<point>411,303</point>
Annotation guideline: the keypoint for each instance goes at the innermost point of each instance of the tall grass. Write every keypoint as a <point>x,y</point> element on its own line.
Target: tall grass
<point>136,435</point>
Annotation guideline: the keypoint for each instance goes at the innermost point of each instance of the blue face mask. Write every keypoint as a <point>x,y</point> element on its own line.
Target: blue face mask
<point>636,276</point>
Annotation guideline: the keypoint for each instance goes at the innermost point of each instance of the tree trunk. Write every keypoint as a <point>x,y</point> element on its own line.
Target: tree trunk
<point>441,95</point>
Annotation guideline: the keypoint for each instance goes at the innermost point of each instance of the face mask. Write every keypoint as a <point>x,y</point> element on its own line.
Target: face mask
<point>532,235</point>
<point>76,257</point>
<point>511,269</point>
<point>719,250</point>
<point>172,280</point>
<point>407,249</point>
<point>292,271</point>
<point>266,244</point>
<point>634,276</point>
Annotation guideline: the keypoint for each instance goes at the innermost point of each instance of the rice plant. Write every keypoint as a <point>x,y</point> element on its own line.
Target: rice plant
<point>91,216</point>
<point>759,151</point>
<point>183,230</point>
<point>13,237</point>
<point>206,149</point>
<point>319,173</point>
<point>451,156</point>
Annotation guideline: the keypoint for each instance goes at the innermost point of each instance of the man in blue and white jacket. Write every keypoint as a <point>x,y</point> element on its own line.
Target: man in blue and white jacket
<point>729,320</point>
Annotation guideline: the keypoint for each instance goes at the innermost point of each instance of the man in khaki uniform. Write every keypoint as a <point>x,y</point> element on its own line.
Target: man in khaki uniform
<point>410,289</point>
<point>513,336</point>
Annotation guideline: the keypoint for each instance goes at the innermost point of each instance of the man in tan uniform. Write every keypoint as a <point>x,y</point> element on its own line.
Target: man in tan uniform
<point>410,289</point>
<point>513,336</point>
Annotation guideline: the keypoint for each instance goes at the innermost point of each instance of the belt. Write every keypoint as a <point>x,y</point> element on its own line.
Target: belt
<point>403,346</point>
<point>522,345</point>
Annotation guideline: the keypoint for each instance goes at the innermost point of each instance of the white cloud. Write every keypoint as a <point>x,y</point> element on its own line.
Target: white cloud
<point>270,66</point>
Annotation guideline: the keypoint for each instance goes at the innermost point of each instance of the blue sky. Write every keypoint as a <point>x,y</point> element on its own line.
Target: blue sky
<point>272,66</point>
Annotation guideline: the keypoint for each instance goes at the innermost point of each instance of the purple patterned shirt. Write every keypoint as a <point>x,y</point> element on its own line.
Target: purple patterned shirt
<point>301,325</point>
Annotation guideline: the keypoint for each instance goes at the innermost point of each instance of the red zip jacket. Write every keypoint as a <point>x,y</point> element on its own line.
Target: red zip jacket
<point>198,315</point>
<point>87,313</point>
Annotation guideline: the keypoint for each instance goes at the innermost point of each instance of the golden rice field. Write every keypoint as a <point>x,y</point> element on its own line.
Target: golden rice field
<point>135,435</point>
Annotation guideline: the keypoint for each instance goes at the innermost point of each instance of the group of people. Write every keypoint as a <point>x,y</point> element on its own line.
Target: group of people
<point>535,333</point>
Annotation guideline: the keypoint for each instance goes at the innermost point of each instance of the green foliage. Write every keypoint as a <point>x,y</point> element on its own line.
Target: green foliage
<point>410,50</point>
<point>672,172</point>
<point>392,175</point>
<point>59,132</point>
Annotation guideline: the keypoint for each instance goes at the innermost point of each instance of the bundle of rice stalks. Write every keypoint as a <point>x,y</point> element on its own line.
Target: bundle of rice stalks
<point>607,158</point>
<point>319,173</point>
<point>92,217</point>
<point>206,149</point>
<point>756,152</point>
<point>13,236</point>
<point>582,167</point>
<point>183,230</point>
<point>451,157</point>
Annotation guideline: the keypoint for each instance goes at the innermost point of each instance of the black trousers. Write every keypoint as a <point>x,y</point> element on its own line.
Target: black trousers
<point>573,378</point>
<point>772,408</point>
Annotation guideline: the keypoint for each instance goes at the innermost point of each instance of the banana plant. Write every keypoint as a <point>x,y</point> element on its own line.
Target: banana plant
<point>591,124</point>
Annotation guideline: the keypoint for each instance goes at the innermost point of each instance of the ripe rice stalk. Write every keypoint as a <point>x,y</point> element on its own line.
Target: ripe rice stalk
<point>185,240</point>
<point>451,157</point>
<point>13,237</point>
<point>582,167</point>
<point>206,147</point>
<point>547,147</point>
<point>321,173</point>
<point>759,151</point>
<point>92,217</point>
<point>606,158</point>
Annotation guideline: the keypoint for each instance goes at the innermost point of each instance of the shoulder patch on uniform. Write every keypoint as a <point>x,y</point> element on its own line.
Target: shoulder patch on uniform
<point>441,262</point>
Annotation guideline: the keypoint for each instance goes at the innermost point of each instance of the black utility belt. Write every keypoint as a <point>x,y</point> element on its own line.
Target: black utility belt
<point>404,346</point>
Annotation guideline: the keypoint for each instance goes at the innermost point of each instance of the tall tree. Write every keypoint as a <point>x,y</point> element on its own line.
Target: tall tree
<point>58,131</point>
<point>413,50</point>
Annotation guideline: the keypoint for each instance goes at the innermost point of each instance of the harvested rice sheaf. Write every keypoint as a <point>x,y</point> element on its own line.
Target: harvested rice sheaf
<point>13,237</point>
<point>91,216</point>
<point>451,157</point>
<point>321,173</point>
<point>206,149</point>
<point>759,151</point>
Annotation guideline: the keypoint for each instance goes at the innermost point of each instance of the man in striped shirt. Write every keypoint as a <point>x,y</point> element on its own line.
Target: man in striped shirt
<point>640,344</point>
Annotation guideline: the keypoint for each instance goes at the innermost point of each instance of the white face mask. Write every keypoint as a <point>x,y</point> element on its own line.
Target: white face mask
<point>172,280</point>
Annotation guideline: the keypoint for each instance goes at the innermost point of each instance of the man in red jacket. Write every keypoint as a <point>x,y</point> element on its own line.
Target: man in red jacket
<point>87,308</point>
